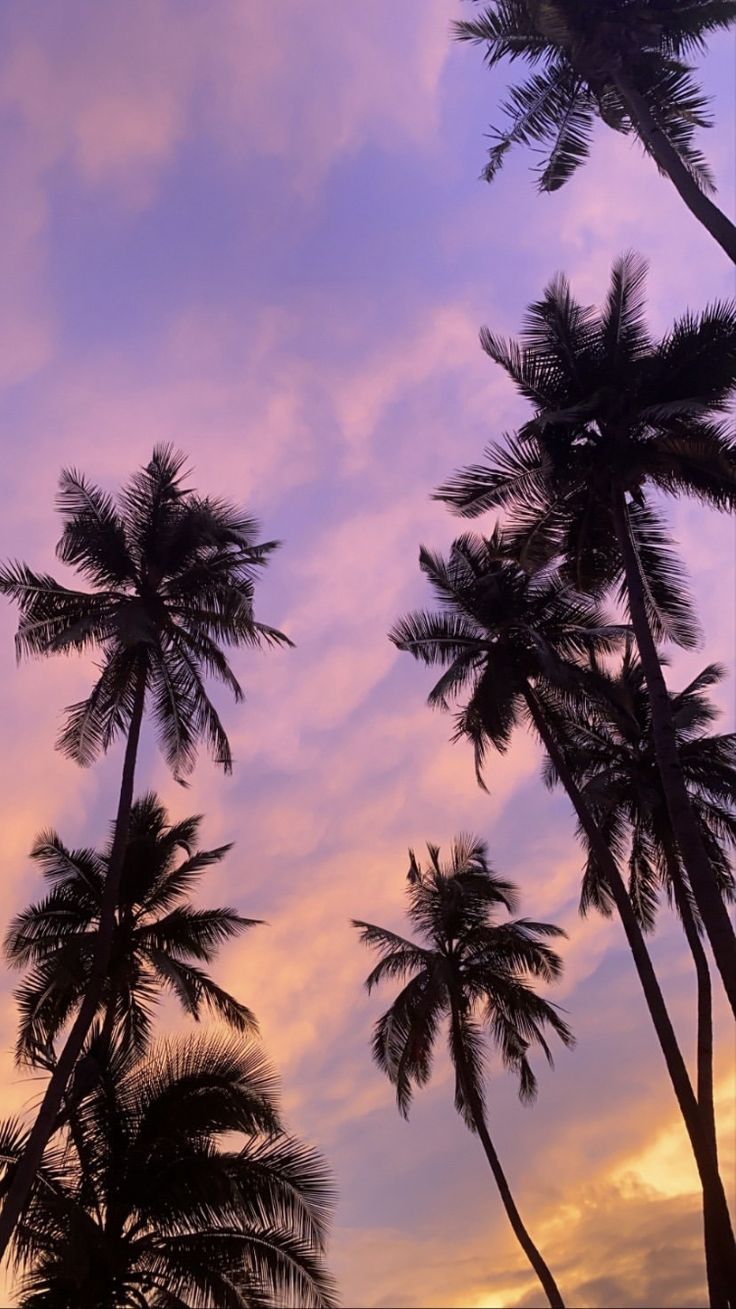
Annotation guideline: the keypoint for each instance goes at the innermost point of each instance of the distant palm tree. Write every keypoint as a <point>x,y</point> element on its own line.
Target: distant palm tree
<point>173,577</point>
<point>158,940</point>
<point>622,61</point>
<point>476,974</point>
<point>145,1204</point>
<point>619,418</point>
<point>508,639</point>
<point>608,745</point>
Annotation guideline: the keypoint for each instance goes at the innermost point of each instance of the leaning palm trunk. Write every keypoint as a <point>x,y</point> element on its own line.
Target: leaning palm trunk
<point>694,855</point>
<point>25,1171</point>
<point>704,992</point>
<point>656,144</point>
<point>704,1043</point>
<point>472,1099</point>
<point>722,1259</point>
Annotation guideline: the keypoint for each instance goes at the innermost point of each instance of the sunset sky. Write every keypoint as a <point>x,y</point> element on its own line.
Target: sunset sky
<point>256,231</point>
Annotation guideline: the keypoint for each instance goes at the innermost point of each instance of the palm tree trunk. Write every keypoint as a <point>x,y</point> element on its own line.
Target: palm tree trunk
<point>694,855</point>
<point>541,1269</point>
<point>43,1127</point>
<point>705,1005</point>
<point>705,1157</point>
<point>704,1042</point>
<point>656,144</point>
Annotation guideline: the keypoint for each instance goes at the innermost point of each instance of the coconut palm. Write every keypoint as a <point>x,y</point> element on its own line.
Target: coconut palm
<point>476,974</point>
<point>508,639</point>
<point>147,1204</point>
<point>172,576</point>
<point>159,938</point>
<point>625,62</point>
<point>609,748</point>
<point>620,418</point>
<point>608,744</point>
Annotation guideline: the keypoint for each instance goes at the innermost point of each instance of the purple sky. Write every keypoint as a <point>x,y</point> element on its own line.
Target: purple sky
<point>257,231</point>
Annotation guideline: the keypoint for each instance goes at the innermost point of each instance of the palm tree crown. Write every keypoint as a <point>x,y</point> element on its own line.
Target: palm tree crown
<point>609,746</point>
<point>159,937</point>
<point>616,414</point>
<point>144,1205</point>
<point>172,575</point>
<point>465,968</point>
<point>499,630</point>
<point>590,57</point>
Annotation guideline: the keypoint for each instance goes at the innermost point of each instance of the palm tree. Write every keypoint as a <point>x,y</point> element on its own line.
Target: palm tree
<point>173,578</point>
<point>609,748</point>
<point>147,1205</point>
<point>617,418</point>
<point>622,61</point>
<point>509,638</point>
<point>475,973</point>
<point>159,936</point>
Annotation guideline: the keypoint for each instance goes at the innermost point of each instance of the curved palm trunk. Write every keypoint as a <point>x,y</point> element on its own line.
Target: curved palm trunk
<point>714,1197</point>
<point>656,144</point>
<point>46,1118</point>
<point>541,1269</point>
<point>694,855</point>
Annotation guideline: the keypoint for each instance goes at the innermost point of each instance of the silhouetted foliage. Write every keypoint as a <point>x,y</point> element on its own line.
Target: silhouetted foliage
<point>160,938</point>
<point>176,1186</point>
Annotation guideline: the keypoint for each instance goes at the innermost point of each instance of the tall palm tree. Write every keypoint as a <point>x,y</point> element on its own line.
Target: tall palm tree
<point>475,973</point>
<point>508,638</point>
<point>625,62</point>
<point>620,418</point>
<point>158,940</point>
<point>609,748</point>
<point>172,576</point>
<point>147,1205</point>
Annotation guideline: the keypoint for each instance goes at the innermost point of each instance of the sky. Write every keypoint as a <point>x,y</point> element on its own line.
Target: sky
<point>258,232</point>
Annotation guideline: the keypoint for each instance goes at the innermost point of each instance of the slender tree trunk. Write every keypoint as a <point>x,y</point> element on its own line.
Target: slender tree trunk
<point>704,1049</point>
<point>694,855</point>
<point>541,1269</point>
<point>43,1128</point>
<point>705,1158</point>
<point>656,144</point>
<point>704,1055</point>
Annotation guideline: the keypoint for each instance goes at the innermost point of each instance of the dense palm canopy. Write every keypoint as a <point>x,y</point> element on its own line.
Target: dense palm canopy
<point>513,645</point>
<point>160,938</point>
<point>620,419</point>
<point>609,746</point>
<point>498,632</point>
<point>178,1186</point>
<point>594,61</point>
<point>172,576</point>
<point>465,968</point>
<point>615,411</point>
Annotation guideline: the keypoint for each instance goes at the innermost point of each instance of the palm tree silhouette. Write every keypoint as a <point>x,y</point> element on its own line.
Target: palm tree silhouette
<point>173,578</point>
<point>624,62</point>
<point>619,416</point>
<point>475,973</point>
<point>145,1204</point>
<point>608,744</point>
<point>158,940</point>
<point>507,638</point>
